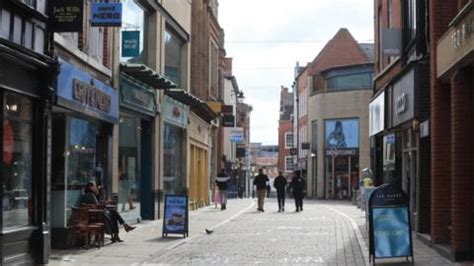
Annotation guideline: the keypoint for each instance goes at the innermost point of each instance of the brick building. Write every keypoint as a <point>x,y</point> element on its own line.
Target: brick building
<point>452,127</point>
<point>286,160</point>
<point>400,103</point>
<point>338,81</point>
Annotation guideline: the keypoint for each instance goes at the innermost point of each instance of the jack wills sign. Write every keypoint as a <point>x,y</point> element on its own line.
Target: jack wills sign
<point>78,91</point>
<point>66,15</point>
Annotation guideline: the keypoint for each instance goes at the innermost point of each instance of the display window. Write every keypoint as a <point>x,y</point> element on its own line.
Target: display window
<point>17,115</point>
<point>173,159</point>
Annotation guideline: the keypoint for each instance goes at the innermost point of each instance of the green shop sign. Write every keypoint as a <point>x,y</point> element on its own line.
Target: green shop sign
<point>137,96</point>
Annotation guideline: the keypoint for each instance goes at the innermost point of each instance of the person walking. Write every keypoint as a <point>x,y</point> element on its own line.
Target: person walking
<point>280,184</point>
<point>298,185</point>
<point>221,180</point>
<point>260,182</point>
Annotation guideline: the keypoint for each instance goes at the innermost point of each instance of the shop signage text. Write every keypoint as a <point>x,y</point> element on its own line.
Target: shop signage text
<point>106,15</point>
<point>341,152</point>
<point>401,103</point>
<point>90,95</point>
<point>176,215</point>
<point>77,90</point>
<point>66,15</point>
<point>130,43</point>
<point>457,43</point>
<point>228,121</point>
<point>137,97</point>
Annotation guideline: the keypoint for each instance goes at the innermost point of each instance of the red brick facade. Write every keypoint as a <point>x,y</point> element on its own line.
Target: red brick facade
<point>283,127</point>
<point>452,147</point>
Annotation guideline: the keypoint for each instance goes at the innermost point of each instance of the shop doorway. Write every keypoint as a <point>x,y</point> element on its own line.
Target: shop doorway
<point>409,173</point>
<point>146,185</point>
<point>342,175</point>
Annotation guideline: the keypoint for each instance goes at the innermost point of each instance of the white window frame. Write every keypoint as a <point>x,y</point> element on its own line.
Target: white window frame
<point>292,163</point>
<point>286,140</point>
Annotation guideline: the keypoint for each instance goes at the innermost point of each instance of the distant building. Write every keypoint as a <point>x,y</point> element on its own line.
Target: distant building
<point>338,83</point>
<point>286,160</point>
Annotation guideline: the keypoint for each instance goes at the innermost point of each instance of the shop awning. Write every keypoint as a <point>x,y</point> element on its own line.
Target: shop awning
<point>197,106</point>
<point>147,75</point>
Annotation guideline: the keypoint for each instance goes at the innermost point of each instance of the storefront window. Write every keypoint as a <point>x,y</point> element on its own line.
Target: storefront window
<point>17,160</point>
<point>173,159</point>
<point>129,164</point>
<point>173,57</point>
<point>133,33</point>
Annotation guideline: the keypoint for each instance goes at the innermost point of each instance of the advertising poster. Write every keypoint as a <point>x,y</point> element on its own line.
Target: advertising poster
<point>176,215</point>
<point>391,232</point>
<point>342,133</point>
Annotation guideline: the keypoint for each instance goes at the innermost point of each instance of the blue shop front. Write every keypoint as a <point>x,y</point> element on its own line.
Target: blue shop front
<point>84,114</point>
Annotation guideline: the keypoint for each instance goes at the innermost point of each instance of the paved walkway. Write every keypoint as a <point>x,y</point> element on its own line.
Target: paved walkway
<point>146,242</point>
<point>325,233</point>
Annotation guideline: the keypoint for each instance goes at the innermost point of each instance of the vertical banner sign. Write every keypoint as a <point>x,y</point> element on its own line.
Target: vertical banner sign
<point>176,215</point>
<point>67,15</point>
<point>106,15</point>
<point>389,223</point>
<point>130,43</point>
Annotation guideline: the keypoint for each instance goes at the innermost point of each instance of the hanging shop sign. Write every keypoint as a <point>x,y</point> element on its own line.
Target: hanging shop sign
<point>130,43</point>
<point>67,15</point>
<point>106,15</point>
<point>305,146</point>
<point>137,96</point>
<point>237,135</point>
<point>389,223</point>
<point>377,115</point>
<point>228,121</point>
<point>79,91</point>
<point>391,41</point>
<point>228,109</point>
<point>424,129</point>
<point>175,112</point>
<point>175,215</point>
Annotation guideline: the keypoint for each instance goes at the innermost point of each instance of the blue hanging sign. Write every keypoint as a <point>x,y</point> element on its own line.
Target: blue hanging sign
<point>175,219</point>
<point>130,43</point>
<point>106,15</point>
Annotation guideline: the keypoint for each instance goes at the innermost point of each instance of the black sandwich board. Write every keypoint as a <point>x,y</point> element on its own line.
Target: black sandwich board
<point>389,224</point>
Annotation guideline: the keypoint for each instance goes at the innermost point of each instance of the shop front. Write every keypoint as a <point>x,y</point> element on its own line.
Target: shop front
<point>137,117</point>
<point>452,129</point>
<point>199,160</point>
<point>401,144</point>
<point>341,151</point>
<point>175,115</point>
<point>86,110</point>
<point>24,172</point>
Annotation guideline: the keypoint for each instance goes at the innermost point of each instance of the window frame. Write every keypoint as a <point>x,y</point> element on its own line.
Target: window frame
<point>292,163</point>
<point>286,140</point>
<point>169,30</point>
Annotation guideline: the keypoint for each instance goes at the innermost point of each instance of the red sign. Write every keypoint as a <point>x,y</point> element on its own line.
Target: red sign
<point>8,143</point>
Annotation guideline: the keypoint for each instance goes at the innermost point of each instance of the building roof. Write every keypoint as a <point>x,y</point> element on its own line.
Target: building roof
<point>369,51</point>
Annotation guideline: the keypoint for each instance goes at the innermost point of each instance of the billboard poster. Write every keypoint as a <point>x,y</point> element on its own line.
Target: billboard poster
<point>342,133</point>
<point>106,15</point>
<point>391,232</point>
<point>175,215</point>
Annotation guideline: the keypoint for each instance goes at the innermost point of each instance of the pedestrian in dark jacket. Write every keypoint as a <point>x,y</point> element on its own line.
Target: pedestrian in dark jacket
<point>280,184</point>
<point>261,181</point>
<point>298,185</point>
<point>221,181</point>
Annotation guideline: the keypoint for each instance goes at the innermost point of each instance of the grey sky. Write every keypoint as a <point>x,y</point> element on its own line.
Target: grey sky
<point>267,37</point>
